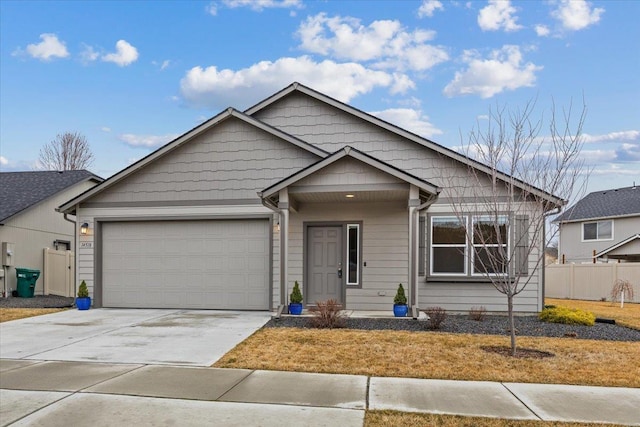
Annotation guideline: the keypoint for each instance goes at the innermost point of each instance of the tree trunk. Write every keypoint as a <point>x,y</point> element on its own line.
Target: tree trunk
<point>512,324</point>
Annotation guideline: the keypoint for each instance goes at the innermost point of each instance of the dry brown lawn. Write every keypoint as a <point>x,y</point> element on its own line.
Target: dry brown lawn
<point>628,316</point>
<point>7,314</point>
<point>393,419</point>
<point>436,355</point>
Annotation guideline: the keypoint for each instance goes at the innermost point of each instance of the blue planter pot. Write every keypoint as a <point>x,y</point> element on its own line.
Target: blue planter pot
<point>295,308</point>
<point>83,303</point>
<point>400,310</point>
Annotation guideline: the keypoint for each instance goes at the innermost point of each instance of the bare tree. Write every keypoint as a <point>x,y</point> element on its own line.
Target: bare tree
<point>69,151</point>
<point>503,204</point>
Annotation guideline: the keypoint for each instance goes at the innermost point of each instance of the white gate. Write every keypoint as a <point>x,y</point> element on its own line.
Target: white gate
<point>59,272</point>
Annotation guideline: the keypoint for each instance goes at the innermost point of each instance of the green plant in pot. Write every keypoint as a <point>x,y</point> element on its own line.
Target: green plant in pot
<point>295,300</point>
<point>83,302</point>
<point>400,307</point>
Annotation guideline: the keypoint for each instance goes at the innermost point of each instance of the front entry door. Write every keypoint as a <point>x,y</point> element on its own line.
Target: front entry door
<point>324,264</point>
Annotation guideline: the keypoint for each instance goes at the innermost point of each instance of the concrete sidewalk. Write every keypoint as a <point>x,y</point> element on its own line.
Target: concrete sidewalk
<point>104,394</point>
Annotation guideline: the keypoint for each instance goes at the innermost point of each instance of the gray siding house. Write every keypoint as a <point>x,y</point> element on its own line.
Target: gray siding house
<point>604,226</point>
<point>299,187</point>
<point>28,217</point>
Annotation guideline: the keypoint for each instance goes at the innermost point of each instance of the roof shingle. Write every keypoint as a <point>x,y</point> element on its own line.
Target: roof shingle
<point>604,204</point>
<point>20,190</point>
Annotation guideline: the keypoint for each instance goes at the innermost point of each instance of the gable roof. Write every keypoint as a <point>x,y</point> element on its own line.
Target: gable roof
<point>21,190</point>
<point>617,245</point>
<point>297,87</point>
<point>184,138</point>
<point>358,155</point>
<point>614,203</point>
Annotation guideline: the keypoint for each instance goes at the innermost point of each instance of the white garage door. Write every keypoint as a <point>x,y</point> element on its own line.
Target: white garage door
<point>221,264</point>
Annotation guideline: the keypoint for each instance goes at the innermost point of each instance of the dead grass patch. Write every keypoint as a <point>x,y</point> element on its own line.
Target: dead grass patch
<point>394,418</point>
<point>7,314</point>
<point>628,316</point>
<point>436,355</point>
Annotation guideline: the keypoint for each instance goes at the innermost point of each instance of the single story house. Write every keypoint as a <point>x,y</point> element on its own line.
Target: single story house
<point>29,221</point>
<point>604,226</point>
<point>299,187</point>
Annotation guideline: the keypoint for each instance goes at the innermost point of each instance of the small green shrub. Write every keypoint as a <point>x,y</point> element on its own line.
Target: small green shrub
<point>567,316</point>
<point>296,295</point>
<point>83,292</point>
<point>400,297</point>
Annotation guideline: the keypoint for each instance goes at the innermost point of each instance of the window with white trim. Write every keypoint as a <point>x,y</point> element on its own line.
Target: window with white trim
<point>597,230</point>
<point>486,251</point>
<point>448,246</point>
<point>353,254</point>
<point>490,245</point>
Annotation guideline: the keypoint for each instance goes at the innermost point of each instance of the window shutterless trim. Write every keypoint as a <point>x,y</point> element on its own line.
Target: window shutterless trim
<point>503,219</point>
<point>597,239</point>
<point>432,245</point>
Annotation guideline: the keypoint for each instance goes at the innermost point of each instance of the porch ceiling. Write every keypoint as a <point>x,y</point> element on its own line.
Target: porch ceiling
<point>341,196</point>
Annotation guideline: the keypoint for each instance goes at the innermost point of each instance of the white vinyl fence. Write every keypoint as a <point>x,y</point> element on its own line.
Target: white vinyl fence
<point>58,272</point>
<point>589,281</point>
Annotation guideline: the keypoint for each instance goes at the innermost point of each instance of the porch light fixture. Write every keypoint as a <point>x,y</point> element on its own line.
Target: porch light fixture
<point>84,229</point>
<point>349,196</point>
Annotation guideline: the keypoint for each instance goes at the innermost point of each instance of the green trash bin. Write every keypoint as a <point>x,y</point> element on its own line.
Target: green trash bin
<point>27,281</point>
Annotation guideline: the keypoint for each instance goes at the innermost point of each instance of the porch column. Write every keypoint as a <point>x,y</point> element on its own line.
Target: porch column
<point>414,202</point>
<point>283,206</point>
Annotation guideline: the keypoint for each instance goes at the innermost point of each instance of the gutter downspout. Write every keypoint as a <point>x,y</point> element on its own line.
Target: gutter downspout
<point>75,248</point>
<point>284,224</point>
<point>415,312</point>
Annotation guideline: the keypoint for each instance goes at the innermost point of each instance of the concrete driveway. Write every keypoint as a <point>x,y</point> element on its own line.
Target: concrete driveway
<point>142,336</point>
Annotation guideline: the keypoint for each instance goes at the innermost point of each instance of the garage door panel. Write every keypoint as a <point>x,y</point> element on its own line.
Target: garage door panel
<point>186,264</point>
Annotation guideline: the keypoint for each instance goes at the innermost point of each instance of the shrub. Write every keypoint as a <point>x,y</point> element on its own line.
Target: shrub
<point>83,292</point>
<point>567,316</point>
<point>619,287</point>
<point>296,295</point>
<point>436,317</point>
<point>327,315</point>
<point>400,297</point>
<point>478,313</point>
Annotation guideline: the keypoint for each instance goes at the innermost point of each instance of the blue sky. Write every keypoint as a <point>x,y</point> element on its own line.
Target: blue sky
<point>131,76</point>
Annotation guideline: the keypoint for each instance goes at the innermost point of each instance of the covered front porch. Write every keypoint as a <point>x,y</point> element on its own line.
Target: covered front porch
<point>348,230</point>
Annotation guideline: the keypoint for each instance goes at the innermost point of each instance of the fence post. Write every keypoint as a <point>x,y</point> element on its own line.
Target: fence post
<point>572,280</point>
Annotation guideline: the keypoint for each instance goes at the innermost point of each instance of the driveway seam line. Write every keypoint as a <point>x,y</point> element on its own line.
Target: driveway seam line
<point>71,393</point>
<point>82,390</point>
<point>234,386</point>
<point>521,401</point>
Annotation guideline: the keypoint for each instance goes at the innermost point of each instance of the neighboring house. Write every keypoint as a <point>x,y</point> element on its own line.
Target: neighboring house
<point>28,217</point>
<point>603,226</point>
<point>299,187</point>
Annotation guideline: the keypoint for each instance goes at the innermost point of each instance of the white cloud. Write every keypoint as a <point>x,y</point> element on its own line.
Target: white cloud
<point>409,119</point>
<point>50,47</point>
<point>259,5</point>
<point>428,7</point>
<point>212,8</point>
<point>498,14</point>
<point>149,141</point>
<point>210,87</point>
<point>124,55</point>
<point>3,161</point>
<point>483,117</point>
<point>576,15</point>
<point>385,43</point>
<point>88,54</point>
<point>503,70</point>
<point>105,129</point>
<point>626,135</point>
<point>542,30</point>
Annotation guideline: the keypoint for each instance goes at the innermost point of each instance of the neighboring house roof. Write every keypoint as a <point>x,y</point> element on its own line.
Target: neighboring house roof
<point>617,245</point>
<point>182,139</point>
<point>614,203</point>
<point>21,190</point>
<point>297,87</point>
<point>356,154</point>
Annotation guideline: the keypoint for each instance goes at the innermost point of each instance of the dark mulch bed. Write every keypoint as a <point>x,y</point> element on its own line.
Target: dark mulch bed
<point>491,325</point>
<point>38,301</point>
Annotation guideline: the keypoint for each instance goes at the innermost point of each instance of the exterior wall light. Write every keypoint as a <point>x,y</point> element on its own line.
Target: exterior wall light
<point>350,196</point>
<point>84,229</point>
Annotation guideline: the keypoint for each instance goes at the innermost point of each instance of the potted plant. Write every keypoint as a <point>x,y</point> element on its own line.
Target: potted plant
<point>83,302</point>
<point>400,308</point>
<point>295,300</point>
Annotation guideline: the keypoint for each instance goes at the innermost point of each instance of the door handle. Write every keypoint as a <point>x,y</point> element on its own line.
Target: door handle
<point>340,272</point>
